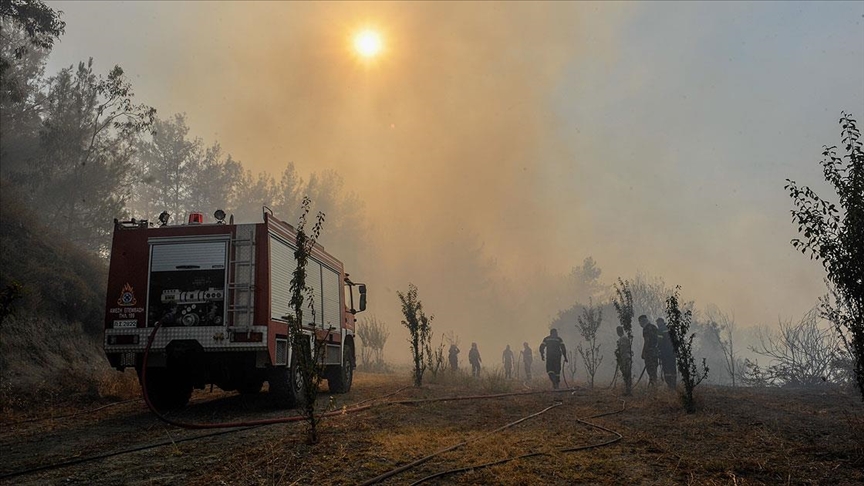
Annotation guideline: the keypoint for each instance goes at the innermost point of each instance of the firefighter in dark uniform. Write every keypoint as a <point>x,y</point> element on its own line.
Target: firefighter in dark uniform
<point>650,353</point>
<point>552,350</point>
<point>507,357</point>
<point>454,357</point>
<point>527,360</point>
<point>474,359</point>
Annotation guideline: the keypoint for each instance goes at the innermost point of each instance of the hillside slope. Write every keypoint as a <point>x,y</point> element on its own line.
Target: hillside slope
<point>50,340</point>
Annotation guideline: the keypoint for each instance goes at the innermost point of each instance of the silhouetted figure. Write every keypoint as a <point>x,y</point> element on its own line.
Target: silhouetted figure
<point>552,350</point>
<point>650,353</point>
<point>474,359</point>
<point>454,357</point>
<point>667,354</point>
<point>527,360</point>
<point>508,363</point>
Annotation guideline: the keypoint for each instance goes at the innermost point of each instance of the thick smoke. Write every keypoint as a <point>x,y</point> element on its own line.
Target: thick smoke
<point>443,138</point>
<point>495,145</point>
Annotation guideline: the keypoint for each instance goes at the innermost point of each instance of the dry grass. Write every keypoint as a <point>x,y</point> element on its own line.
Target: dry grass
<point>737,436</point>
<point>47,363</point>
<point>115,385</point>
<point>742,436</point>
<point>67,397</point>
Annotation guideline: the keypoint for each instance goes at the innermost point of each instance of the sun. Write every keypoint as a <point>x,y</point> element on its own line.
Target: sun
<point>368,44</point>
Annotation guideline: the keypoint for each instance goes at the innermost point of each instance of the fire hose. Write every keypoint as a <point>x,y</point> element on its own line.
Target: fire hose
<point>391,473</point>
<point>564,375</point>
<point>640,376</point>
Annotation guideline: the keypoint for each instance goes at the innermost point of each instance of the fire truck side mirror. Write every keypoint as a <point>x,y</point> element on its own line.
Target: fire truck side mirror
<point>362,290</point>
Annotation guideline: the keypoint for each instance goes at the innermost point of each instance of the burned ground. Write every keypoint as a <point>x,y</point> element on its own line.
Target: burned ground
<point>738,436</point>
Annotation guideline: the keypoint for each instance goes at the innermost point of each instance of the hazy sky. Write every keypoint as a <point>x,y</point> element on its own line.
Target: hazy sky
<point>651,136</point>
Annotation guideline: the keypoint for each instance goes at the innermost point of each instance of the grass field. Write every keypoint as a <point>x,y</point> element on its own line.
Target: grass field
<point>738,436</point>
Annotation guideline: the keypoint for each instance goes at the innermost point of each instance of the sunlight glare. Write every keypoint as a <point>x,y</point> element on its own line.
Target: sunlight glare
<point>368,43</point>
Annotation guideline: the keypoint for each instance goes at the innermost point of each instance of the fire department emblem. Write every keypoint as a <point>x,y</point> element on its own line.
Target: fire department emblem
<point>127,296</point>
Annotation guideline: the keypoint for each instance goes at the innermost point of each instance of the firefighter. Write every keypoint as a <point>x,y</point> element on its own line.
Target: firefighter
<point>474,359</point>
<point>527,360</point>
<point>667,354</point>
<point>553,348</point>
<point>508,363</point>
<point>650,353</point>
<point>622,352</point>
<point>454,357</point>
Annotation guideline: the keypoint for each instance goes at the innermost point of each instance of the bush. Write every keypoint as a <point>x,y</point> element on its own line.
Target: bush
<point>373,335</point>
<point>624,306</point>
<point>800,354</point>
<point>420,328</point>
<point>679,328</point>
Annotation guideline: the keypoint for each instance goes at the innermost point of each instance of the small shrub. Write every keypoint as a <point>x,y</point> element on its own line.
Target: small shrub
<point>588,324</point>
<point>373,335</point>
<point>679,327</point>
<point>624,306</point>
<point>301,296</point>
<point>420,328</point>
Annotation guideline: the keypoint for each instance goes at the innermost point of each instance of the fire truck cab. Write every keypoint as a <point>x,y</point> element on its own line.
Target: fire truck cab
<point>221,292</point>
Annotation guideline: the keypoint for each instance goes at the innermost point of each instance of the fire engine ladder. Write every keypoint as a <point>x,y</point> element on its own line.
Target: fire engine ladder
<point>242,286</point>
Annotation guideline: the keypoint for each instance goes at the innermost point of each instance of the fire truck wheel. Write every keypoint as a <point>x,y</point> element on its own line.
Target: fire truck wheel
<point>340,379</point>
<point>166,390</point>
<point>286,386</point>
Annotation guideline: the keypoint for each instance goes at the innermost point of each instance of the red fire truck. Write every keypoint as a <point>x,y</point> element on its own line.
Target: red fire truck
<point>221,292</point>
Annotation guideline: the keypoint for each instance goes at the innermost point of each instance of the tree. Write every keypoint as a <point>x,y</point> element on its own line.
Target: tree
<point>800,353</point>
<point>649,295</point>
<point>81,179</point>
<point>679,328</point>
<point>347,231</point>
<point>837,239</point>
<point>623,303</point>
<point>373,334</point>
<point>168,163</point>
<point>586,279</point>
<point>257,192</point>
<point>40,24</point>
<point>215,177</point>
<point>291,186</point>
<point>420,329</point>
<point>20,93</point>
<point>434,356</point>
<point>309,356</point>
<point>588,324</point>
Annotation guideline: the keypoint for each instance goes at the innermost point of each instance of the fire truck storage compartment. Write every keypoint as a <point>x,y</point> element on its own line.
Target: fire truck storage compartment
<point>188,276</point>
<point>326,287</point>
